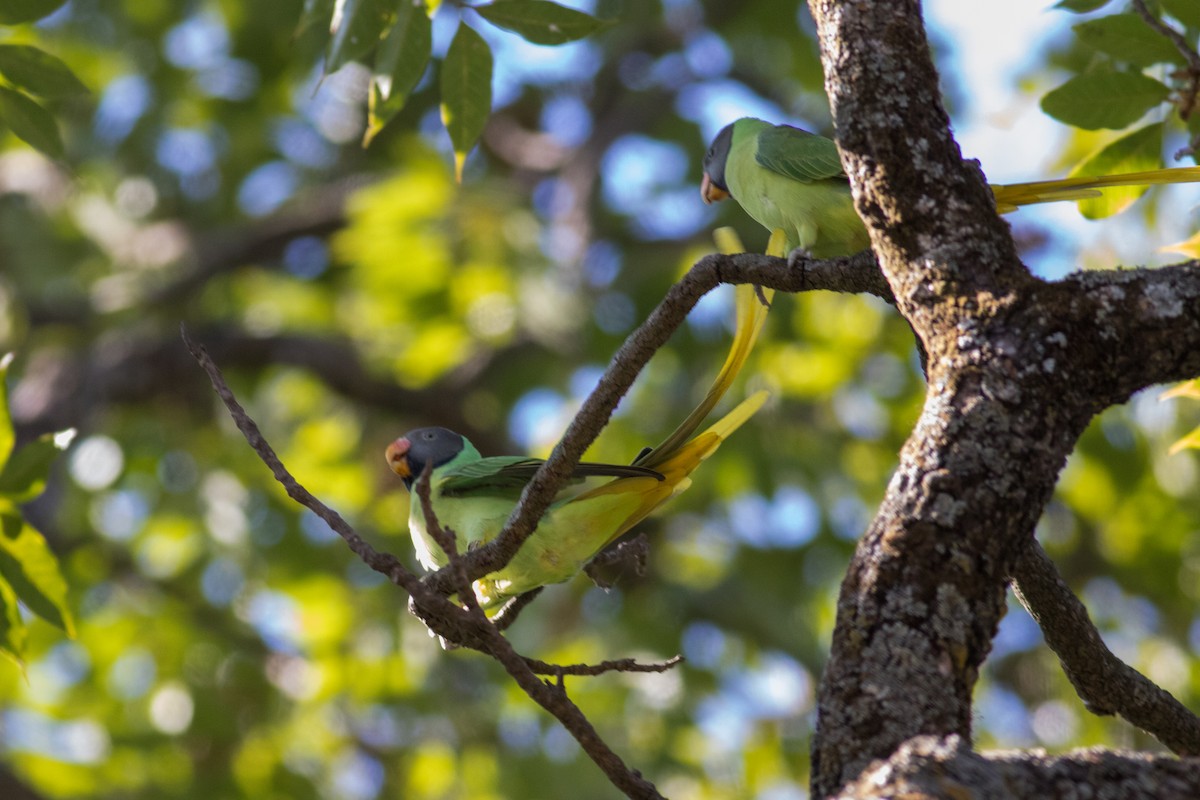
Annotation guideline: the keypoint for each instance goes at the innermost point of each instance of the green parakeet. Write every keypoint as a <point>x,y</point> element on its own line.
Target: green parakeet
<point>474,495</point>
<point>792,180</point>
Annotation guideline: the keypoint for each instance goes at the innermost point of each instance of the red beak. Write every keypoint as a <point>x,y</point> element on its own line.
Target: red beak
<point>396,452</point>
<point>710,191</point>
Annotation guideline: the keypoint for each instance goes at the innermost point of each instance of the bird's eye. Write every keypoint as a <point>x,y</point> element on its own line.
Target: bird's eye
<point>429,437</point>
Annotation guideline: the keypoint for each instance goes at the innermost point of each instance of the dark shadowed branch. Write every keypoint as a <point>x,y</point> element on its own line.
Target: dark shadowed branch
<point>1106,684</point>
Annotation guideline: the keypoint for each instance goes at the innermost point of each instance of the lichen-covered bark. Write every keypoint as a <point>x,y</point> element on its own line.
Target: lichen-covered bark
<point>1017,368</point>
<point>928,767</point>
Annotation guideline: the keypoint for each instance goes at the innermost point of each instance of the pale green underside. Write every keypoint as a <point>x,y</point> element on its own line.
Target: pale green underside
<point>567,537</point>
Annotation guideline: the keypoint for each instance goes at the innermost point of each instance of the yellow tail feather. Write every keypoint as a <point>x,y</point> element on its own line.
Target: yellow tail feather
<point>751,314</point>
<point>1011,196</point>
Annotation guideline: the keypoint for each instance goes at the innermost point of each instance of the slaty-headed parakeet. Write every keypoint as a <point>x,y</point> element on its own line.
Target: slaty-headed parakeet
<point>789,179</point>
<point>474,496</point>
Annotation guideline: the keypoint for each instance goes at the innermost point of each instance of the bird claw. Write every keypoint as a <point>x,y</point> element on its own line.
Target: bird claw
<point>797,255</point>
<point>762,296</point>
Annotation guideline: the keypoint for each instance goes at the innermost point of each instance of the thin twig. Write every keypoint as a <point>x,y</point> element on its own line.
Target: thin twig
<point>1175,37</point>
<point>1106,684</point>
<point>509,612</point>
<point>617,665</point>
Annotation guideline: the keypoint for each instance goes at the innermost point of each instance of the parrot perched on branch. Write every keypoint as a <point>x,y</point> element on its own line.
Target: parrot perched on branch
<point>474,496</point>
<point>790,179</point>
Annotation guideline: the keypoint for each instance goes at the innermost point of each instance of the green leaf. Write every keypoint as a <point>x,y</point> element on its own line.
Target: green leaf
<point>12,627</point>
<point>1186,11</point>
<point>1104,99</point>
<point>1080,6</point>
<point>1126,37</point>
<point>24,474</point>
<point>32,571</point>
<point>466,92</point>
<point>38,72</point>
<point>30,122</point>
<point>6,430</point>
<point>356,27</point>
<point>540,21</point>
<point>399,64</point>
<point>15,11</point>
<point>314,19</point>
<point>1135,152</point>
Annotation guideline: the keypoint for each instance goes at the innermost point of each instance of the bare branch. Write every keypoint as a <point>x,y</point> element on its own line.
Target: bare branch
<point>384,563</point>
<point>1106,684</point>
<point>1176,38</point>
<point>508,613</point>
<point>618,665</point>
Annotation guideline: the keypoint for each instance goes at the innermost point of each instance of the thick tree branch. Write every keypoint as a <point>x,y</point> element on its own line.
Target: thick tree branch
<point>930,216</point>
<point>1013,383</point>
<point>1106,684</point>
<point>929,767</point>
<point>1134,328</point>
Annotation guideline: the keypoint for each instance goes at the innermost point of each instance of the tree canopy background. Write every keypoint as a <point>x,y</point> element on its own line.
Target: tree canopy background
<point>228,645</point>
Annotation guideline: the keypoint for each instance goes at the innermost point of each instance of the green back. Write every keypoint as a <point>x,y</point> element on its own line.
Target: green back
<point>506,476</point>
<point>798,154</point>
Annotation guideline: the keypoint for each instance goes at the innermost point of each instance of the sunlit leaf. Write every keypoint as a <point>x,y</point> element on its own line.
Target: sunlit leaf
<point>402,58</point>
<point>14,11</point>
<point>1126,37</point>
<point>1189,247</point>
<point>38,72</point>
<point>316,15</point>
<point>30,122</point>
<point>1186,11</point>
<point>12,628</point>
<point>540,21</point>
<point>1134,152</point>
<point>466,92</point>
<point>31,569</point>
<point>1104,99</point>
<point>356,27</point>
<point>1080,6</point>
<point>6,429</point>
<point>25,472</point>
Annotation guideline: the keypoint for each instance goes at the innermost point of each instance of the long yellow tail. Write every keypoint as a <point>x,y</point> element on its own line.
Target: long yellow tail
<point>1009,197</point>
<point>751,314</point>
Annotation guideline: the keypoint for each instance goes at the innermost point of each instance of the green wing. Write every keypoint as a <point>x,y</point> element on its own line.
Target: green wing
<point>507,475</point>
<point>798,154</point>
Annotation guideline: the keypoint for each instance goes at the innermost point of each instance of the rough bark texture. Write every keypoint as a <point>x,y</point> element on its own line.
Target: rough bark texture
<point>928,767</point>
<point>1017,369</point>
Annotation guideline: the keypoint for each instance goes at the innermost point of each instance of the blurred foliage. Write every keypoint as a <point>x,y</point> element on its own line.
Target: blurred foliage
<point>29,572</point>
<point>228,645</point>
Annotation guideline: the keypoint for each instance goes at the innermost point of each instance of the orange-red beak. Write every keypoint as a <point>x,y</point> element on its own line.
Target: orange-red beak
<point>396,452</point>
<point>710,191</point>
